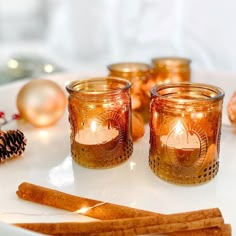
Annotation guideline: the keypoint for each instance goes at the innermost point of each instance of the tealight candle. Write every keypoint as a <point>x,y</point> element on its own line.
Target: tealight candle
<point>92,135</point>
<point>171,69</point>
<point>100,119</point>
<point>185,127</point>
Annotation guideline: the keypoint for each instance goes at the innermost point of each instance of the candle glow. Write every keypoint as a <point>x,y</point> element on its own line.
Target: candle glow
<point>101,127</point>
<point>178,128</point>
<point>185,132</point>
<point>93,126</point>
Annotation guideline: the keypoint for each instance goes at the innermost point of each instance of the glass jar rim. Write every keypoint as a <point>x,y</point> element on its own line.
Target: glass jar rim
<point>170,61</point>
<point>84,86</point>
<point>218,92</point>
<point>129,67</point>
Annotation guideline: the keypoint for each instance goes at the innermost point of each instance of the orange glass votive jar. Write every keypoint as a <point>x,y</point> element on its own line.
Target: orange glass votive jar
<point>100,120</point>
<point>185,126</point>
<point>171,69</point>
<point>139,75</point>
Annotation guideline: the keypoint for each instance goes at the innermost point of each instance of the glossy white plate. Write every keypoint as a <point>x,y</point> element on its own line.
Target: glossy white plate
<point>47,162</point>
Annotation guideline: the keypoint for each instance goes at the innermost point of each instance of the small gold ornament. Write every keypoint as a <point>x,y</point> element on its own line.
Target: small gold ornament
<point>41,102</point>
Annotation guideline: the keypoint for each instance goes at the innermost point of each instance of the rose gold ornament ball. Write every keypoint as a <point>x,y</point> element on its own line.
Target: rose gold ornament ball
<point>41,102</point>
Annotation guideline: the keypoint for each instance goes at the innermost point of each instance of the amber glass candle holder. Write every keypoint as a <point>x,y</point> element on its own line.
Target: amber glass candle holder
<point>171,70</point>
<point>185,126</point>
<point>139,74</point>
<point>100,120</point>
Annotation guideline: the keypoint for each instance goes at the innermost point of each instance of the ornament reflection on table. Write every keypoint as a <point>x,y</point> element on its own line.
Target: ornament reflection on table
<point>100,119</point>
<point>171,69</point>
<point>185,129</point>
<point>41,102</point>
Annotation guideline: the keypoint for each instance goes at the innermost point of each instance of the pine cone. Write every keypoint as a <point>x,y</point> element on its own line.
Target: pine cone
<point>12,144</point>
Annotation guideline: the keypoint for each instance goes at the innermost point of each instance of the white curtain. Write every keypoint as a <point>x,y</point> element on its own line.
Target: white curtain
<point>106,31</point>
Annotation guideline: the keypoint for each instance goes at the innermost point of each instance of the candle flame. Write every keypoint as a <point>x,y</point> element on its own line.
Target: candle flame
<point>179,128</point>
<point>93,126</point>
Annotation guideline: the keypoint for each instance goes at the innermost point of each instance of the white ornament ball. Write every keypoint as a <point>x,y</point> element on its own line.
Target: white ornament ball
<point>41,102</point>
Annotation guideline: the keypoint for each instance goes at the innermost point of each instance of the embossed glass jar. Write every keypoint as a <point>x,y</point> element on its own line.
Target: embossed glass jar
<point>100,120</point>
<point>185,126</point>
<point>139,75</point>
<point>171,69</point>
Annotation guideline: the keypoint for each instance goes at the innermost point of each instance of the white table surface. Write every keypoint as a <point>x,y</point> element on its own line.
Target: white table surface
<point>47,162</point>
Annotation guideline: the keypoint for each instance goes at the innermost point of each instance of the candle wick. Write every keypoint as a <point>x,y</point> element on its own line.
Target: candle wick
<point>187,138</point>
<point>109,124</point>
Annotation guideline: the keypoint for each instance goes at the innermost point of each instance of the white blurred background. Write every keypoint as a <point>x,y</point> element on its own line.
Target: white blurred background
<point>99,32</point>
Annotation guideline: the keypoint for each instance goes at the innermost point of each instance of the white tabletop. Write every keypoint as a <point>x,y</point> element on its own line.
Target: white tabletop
<point>47,162</point>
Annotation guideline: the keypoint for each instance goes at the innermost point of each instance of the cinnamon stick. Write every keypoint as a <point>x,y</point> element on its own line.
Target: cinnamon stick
<point>134,226</point>
<point>107,211</point>
<point>224,230</point>
<point>61,200</point>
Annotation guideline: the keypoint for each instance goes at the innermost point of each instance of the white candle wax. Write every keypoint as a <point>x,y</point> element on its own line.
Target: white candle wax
<point>180,138</point>
<point>183,141</point>
<point>182,146</point>
<point>100,136</point>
